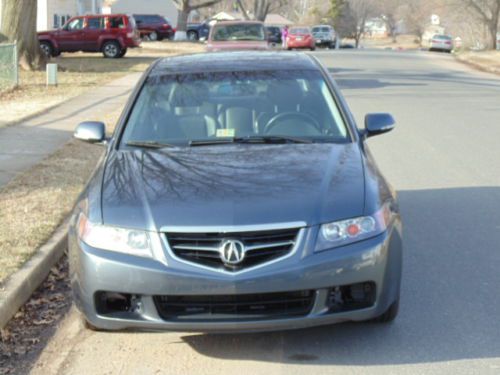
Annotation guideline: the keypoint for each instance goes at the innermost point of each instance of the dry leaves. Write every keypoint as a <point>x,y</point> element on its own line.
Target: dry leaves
<point>24,337</point>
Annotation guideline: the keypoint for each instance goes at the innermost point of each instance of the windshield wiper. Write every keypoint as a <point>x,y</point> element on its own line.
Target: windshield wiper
<point>271,139</point>
<point>149,144</point>
<point>210,142</point>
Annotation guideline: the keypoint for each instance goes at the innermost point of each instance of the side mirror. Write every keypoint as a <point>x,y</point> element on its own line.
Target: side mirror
<point>378,123</point>
<point>90,131</point>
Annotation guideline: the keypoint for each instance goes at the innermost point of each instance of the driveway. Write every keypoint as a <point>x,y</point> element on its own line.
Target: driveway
<point>444,159</point>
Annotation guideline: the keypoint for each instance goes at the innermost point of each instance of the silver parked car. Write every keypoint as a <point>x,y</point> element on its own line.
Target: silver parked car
<point>441,43</point>
<point>325,36</point>
<point>236,194</point>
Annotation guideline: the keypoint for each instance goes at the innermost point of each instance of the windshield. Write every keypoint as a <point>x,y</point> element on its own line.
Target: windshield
<point>239,32</point>
<point>181,109</point>
<point>321,29</point>
<point>301,30</point>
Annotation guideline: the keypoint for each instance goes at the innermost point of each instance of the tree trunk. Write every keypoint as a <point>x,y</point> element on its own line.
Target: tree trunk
<point>19,24</point>
<point>183,19</point>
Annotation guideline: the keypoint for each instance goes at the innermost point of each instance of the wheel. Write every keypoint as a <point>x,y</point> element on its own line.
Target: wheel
<point>47,49</point>
<point>123,52</point>
<point>192,35</point>
<point>111,49</point>
<point>389,315</point>
<point>153,36</point>
<point>313,48</point>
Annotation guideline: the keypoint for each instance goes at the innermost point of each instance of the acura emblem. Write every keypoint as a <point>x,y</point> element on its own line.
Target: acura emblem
<point>232,252</point>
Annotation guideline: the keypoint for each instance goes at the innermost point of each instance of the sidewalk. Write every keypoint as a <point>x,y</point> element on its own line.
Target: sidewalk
<point>25,144</point>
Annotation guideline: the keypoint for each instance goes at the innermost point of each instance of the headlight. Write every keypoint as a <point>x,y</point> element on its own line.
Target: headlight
<point>126,241</point>
<point>340,233</point>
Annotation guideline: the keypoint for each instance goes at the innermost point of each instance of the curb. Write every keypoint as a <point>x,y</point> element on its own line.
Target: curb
<point>478,66</point>
<point>21,285</point>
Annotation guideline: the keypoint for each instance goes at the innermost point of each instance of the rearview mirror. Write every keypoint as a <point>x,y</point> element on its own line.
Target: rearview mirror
<point>378,123</point>
<point>91,131</point>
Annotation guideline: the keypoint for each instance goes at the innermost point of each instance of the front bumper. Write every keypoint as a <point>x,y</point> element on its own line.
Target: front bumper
<point>377,260</point>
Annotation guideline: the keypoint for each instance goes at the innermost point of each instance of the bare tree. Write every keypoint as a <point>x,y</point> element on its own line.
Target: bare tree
<point>261,8</point>
<point>186,7</point>
<point>390,10</point>
<point>487,12</point>
<point>19,24</point>
<point>356,13</point>
<point>417,15</point>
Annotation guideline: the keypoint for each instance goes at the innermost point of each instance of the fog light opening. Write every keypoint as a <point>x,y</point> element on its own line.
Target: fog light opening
<point>351,297</point>
<point>111,302</point>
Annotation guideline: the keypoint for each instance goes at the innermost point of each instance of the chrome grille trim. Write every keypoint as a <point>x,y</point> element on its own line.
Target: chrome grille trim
<point>296,244</point>
<point>247,248</point>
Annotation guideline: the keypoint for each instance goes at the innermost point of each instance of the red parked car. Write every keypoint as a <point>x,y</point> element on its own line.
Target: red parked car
<point>300,37</point>
<point>110,34</point>
<point>154,26</point>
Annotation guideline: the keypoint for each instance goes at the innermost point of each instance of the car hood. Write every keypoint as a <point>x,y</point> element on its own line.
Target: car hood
<point>233,185</point>
<point>237,45</point>
<point>46,32</point>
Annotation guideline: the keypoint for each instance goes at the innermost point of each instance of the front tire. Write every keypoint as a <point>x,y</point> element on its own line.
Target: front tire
<point>111,50</point>
<point>47,49</point>
<point>123,52</point>
<point>153,36</point>
<point>389,315</point>
<point>192,36</point>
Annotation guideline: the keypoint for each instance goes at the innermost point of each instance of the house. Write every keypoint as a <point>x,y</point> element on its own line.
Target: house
<point>54,13</point>
<point>165,8</point>
<point>376,28</point>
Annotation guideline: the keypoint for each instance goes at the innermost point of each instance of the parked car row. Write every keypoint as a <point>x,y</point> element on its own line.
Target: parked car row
<point>114,34</point>
<point>110,34</point>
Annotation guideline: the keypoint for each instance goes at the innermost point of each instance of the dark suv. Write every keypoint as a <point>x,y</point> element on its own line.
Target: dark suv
<point>153,26</point>
<point>110,34</point>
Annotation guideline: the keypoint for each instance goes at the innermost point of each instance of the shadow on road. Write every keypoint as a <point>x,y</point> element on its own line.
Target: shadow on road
<point>449,306</point>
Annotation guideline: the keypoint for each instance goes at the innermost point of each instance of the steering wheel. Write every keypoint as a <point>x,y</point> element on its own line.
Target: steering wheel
<point>281,117</point>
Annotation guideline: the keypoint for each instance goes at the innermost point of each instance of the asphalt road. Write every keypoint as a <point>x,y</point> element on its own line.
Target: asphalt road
<point>444,159</point>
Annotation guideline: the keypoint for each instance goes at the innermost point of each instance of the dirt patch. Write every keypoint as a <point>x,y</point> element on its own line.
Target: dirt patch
<point>404,42</point>
<point>488,61</point>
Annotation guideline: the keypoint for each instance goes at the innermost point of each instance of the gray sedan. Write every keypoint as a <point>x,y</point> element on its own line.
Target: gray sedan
<point>237,194</point>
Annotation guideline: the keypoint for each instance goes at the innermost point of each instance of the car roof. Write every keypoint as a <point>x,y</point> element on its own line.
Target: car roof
<point>233,61</point>
<point>238,23</point>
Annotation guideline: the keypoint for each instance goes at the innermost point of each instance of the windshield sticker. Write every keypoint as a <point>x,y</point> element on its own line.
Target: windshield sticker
<point>225,133</point>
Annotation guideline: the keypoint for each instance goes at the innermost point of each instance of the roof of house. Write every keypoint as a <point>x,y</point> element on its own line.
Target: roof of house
<point>277,20</point>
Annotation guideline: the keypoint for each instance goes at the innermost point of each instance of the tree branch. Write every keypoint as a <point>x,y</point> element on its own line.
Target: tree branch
<point>204,5</point>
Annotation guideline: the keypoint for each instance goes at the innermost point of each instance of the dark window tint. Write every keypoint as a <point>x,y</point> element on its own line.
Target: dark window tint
<point>95,23</point>
<point>116,23</point>
<point>155,19</point>
<point>301,30</point>
<point>239,32</point>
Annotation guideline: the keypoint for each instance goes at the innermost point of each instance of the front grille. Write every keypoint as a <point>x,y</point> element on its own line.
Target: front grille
<point>235,307</point>
<point>260,247</point>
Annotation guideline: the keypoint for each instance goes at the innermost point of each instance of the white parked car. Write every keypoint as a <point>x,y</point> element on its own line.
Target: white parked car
<point>325,36</point>
<point>441,43</point>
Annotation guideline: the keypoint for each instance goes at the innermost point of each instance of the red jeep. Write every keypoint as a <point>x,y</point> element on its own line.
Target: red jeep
<point>111,34</point>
